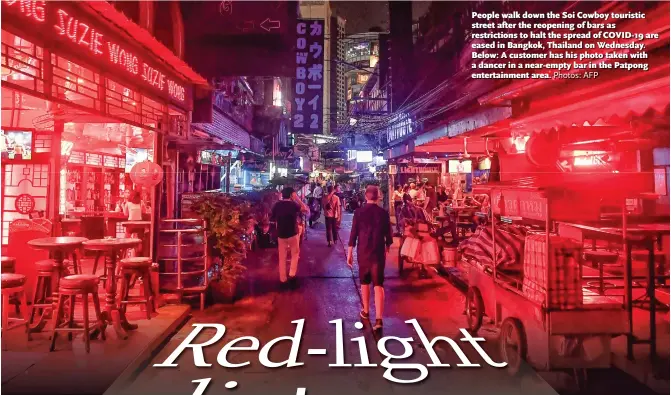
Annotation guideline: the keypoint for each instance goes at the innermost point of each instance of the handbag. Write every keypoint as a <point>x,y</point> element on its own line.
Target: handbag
<point>430,253</point>
<point>410,247</point>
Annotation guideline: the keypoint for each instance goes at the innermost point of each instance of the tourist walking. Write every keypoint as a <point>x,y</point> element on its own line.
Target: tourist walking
<point>371,234</point>
<point>286,214</point>
<point>332,212</point>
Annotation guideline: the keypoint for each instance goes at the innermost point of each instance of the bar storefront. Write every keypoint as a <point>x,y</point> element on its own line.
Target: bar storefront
<point>83,103</point>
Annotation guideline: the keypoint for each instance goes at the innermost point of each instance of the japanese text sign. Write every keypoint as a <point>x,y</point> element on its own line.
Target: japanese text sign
<point>307,108</point>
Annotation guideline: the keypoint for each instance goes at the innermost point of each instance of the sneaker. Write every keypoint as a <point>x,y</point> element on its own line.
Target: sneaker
<point>329,244</point>
<point>378,325</point>
<point>364,315</point>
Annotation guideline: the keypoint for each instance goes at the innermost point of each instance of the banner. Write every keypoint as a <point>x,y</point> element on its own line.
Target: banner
<point>307,107</point>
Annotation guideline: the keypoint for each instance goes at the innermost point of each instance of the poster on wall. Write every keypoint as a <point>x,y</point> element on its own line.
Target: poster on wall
<point>308,96</point>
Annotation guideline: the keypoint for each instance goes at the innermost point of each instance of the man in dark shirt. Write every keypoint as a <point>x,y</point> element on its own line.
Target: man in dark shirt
<point>286,214</point>
<point>371,228</point>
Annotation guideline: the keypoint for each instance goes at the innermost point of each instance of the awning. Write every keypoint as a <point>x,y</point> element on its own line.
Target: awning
<point>607,101</point>
<point>222,127</point>
<point>462,126</point>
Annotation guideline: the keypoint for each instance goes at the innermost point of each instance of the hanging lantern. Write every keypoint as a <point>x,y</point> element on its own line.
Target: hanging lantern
<point>146,174</point>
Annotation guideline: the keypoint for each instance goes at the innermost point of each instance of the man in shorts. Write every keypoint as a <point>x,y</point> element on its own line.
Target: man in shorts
<point>371,228</point>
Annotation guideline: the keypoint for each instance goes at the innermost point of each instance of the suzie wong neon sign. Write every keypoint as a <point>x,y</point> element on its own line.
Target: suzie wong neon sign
<point>87,36</point>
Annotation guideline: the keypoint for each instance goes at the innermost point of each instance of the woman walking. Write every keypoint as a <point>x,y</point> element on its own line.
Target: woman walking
<point>332,214</point>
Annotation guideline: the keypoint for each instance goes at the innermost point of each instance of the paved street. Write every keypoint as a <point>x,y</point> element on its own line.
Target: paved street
<point>328,292</point>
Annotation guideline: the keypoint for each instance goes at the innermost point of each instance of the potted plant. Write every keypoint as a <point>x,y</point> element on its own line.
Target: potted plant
<point>229,221</point>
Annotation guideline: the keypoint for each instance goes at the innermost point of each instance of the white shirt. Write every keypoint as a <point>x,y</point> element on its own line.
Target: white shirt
<point>134,211</point>
<point>318,192</point>
<point>413,193</point>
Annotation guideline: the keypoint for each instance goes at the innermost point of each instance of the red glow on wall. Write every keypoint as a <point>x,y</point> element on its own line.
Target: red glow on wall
<point>86,34</point>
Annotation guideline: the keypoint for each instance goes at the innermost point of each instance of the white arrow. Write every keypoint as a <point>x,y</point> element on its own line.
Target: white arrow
<point>268,25</point>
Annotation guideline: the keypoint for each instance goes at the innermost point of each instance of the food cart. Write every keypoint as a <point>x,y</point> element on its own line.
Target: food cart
<point>545,316</point>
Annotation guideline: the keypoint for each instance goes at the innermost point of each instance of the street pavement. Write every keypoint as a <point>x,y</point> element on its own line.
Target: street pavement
<point>327,291</point>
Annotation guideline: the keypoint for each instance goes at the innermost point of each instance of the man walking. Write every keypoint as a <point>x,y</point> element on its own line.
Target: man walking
<point>286,213</point>
<point>332,212</point>
<point>371,228</point>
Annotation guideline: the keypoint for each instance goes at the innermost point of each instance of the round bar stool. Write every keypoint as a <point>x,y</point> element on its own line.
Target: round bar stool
<point>42,302</point>
<point>8,264</point>
<point>70,287</point>
<point>13,286</point>
<point>599,258</point>
<point>131,269</point>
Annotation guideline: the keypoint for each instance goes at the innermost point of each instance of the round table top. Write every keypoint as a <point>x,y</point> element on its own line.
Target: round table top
<point>7,259</point>
<point>55,243</point>
<point>136,223</point>
<point>110,244</point>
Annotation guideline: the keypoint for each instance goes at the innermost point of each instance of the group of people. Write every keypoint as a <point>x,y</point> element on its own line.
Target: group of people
<point>371,233</point>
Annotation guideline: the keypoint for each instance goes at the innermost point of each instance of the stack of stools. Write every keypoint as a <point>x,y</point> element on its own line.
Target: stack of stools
<point>131,269</point>
<point>598,258</point>
<point>42,295</point>
<point>83,285</point>
<point>13,286</point>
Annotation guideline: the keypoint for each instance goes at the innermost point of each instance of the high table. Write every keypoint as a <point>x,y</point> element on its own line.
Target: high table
<point>112,315</point>
<point>59,248</point>
<point>643,235</point>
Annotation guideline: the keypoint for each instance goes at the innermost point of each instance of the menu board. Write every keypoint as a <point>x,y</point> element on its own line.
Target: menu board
<point>77,158</point>
<point>111,161</point>
<point>94,159</point>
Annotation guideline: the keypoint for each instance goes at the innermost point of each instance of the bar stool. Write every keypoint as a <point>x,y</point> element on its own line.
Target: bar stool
<point>42,293</point>
<point>70,287</point>
<point>12,286</point>
<point>8,264</point>
<point>599,258</point>
<point>132,268</point>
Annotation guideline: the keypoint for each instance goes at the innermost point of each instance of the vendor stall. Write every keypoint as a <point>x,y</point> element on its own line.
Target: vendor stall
<point>534,288</point>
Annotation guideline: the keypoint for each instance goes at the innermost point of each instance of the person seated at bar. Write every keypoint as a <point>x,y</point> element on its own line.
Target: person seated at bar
<point>134,207</point>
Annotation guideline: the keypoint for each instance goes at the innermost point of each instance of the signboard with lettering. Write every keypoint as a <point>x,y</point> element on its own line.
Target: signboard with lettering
<point>525,204</point>
<point>62,25</point>
<point>420,169</point>
<point>307,111</point>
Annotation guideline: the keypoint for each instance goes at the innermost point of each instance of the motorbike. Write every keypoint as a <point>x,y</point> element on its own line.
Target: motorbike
<point>353,201</point>
<point>315,211</point>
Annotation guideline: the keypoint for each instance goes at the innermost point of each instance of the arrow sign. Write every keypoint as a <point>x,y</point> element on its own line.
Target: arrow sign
<point>269,25</point>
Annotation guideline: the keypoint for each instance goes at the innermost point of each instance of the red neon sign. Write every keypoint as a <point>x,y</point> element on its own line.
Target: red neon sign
<point>79,32</point>
<point>86,35</point>
<point>31,8</point>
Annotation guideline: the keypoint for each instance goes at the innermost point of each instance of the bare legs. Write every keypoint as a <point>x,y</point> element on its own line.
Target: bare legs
<point>379,299</point>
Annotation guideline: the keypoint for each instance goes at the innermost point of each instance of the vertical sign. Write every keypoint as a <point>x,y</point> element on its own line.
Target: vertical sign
<point>307,108</point>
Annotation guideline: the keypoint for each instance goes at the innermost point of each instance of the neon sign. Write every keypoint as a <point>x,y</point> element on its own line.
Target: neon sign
<point>31,8</point>
<point>79,32</point>
<point>87,35</point>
